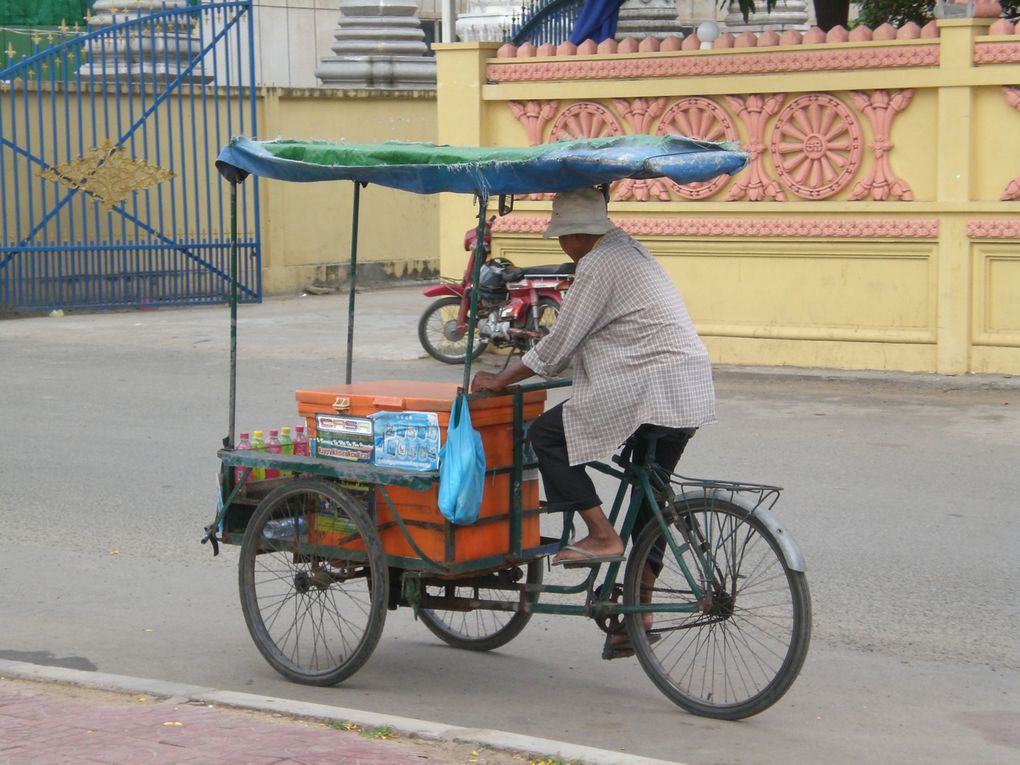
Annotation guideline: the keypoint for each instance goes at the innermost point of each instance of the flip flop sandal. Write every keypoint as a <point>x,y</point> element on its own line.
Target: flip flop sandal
<point>623,649</point>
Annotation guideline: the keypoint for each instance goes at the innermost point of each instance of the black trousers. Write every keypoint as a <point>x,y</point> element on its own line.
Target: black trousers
<point>568,487</point>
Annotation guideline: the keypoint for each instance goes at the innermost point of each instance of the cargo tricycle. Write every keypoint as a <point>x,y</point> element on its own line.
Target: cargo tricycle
<point>332,543</point>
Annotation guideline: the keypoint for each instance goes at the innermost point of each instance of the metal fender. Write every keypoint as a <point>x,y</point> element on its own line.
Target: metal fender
<point>791,552</point>
<point>441,290</point>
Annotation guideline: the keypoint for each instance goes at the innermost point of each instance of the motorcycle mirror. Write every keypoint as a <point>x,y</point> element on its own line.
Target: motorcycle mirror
<point>506,204</point>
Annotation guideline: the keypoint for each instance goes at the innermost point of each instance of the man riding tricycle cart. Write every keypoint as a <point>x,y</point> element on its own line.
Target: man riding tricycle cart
<point>697,579</point>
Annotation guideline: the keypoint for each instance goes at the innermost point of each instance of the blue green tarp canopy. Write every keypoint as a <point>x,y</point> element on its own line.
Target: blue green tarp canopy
<point>425,168</point>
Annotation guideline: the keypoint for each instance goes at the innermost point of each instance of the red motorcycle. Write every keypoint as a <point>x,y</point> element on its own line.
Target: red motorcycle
<point>516,306</point>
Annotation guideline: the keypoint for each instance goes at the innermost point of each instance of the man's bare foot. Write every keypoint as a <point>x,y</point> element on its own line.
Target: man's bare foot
<point>591,548</point>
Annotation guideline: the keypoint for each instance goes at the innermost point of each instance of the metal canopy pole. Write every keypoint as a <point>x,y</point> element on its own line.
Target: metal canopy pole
<point>228,442</point>
<point>483,204</point>
<point>352,280</point>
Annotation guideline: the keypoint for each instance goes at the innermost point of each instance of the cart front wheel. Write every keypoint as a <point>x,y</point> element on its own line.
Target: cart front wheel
<point>741,642</point>
<point>439,335</point>
<point>481,629</point>
<point>313,582</point>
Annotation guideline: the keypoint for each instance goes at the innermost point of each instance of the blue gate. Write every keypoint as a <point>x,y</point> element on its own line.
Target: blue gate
<point>109,196</point>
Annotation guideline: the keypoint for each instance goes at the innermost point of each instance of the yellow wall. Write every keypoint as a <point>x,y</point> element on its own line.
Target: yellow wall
<point>925,280</point>
<point>307,227</point>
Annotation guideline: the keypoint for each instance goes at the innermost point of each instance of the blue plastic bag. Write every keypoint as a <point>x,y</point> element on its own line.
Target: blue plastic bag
<point>461,468</point>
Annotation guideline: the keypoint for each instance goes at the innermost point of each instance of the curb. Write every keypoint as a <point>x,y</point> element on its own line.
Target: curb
<point>409,726</point>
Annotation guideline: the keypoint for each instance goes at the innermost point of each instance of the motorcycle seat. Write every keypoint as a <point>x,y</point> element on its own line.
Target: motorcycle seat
<point>555,269</point>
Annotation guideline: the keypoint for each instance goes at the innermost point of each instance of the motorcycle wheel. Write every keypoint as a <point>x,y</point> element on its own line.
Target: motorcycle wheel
<point>437,331</point>
<point>548,312</point>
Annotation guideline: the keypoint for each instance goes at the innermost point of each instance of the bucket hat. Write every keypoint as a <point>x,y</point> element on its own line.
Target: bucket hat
<point>582,211</point>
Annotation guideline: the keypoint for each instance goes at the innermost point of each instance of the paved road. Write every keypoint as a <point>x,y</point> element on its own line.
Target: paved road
<point>900,489</point>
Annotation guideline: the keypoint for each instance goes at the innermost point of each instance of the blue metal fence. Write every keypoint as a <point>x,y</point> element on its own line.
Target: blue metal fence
<point>109,196</point>
<point>545,21</point>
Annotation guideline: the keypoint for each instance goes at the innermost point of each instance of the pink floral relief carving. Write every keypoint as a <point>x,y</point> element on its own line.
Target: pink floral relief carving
<point>1012,190</point>
<point>755,111</point>
<point>534,115</point>
<point>585,119</point>
<point>803,228</point>
<point>816,145</point>
<point>881,109</point>
<point>640,113</point>
<point>701,118</point>
<point>993,229</point>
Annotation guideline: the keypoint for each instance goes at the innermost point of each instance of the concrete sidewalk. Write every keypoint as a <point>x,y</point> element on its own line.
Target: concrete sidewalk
<point>54,715</point>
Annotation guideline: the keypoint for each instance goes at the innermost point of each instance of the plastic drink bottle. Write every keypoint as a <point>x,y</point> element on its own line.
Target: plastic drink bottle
<point>260,446</point>
<point>273,446</point>
<point>286,442</point>
<point>300,441</point>
<point>286,528</point>
<point>286,446</point>
<point>243,445</point>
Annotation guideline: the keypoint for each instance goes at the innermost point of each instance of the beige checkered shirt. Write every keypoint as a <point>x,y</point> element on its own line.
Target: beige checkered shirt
<point>637,357</point>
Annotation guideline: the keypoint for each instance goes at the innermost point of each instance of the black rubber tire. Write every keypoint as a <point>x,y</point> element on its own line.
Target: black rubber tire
<point>548,312</point>
<point>292,601</point>
<point>482,629</point>
<point>741,660</point>
<point>432,327</point>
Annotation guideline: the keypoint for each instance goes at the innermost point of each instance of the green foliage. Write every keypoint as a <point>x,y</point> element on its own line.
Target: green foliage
<point>874,13</point>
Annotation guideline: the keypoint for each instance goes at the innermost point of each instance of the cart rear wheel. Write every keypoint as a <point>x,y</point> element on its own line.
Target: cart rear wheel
<point>744,643</point>
<point>314,608</point>
<point>481,629</point>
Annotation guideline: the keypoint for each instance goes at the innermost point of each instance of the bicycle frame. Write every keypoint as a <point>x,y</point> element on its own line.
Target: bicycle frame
<point>646,482</point>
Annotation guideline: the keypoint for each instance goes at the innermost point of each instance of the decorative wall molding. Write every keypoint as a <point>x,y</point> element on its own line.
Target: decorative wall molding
<point>816,145</point>
<point>740,61</point>
<point>881,108</point>
<point>997,53</point>
<point>1012,190</point>
<point>993,229</point>
<point>755,110</point>
<point>803,228</point>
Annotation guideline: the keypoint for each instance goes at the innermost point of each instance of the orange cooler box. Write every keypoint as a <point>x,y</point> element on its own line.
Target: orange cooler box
<point>492,417</point>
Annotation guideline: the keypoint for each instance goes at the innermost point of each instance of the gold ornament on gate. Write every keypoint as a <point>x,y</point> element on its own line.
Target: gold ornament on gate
<point>107,174</point>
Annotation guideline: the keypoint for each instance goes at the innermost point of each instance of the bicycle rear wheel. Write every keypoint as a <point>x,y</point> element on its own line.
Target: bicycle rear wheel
<point>743,643</point>
<point>481,629</point>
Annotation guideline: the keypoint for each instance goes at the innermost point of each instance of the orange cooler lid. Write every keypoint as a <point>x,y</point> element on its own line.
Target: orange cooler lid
<point>400,395</point>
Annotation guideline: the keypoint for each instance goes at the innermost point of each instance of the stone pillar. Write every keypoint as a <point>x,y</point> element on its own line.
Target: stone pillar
<point>486,21</point>
<point>379,44</point>
<point>788,14</point>
<point>152,52</point>
<point>648,18</point>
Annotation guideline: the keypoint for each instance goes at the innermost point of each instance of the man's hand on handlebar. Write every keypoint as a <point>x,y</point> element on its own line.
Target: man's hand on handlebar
<point>487,381</point>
